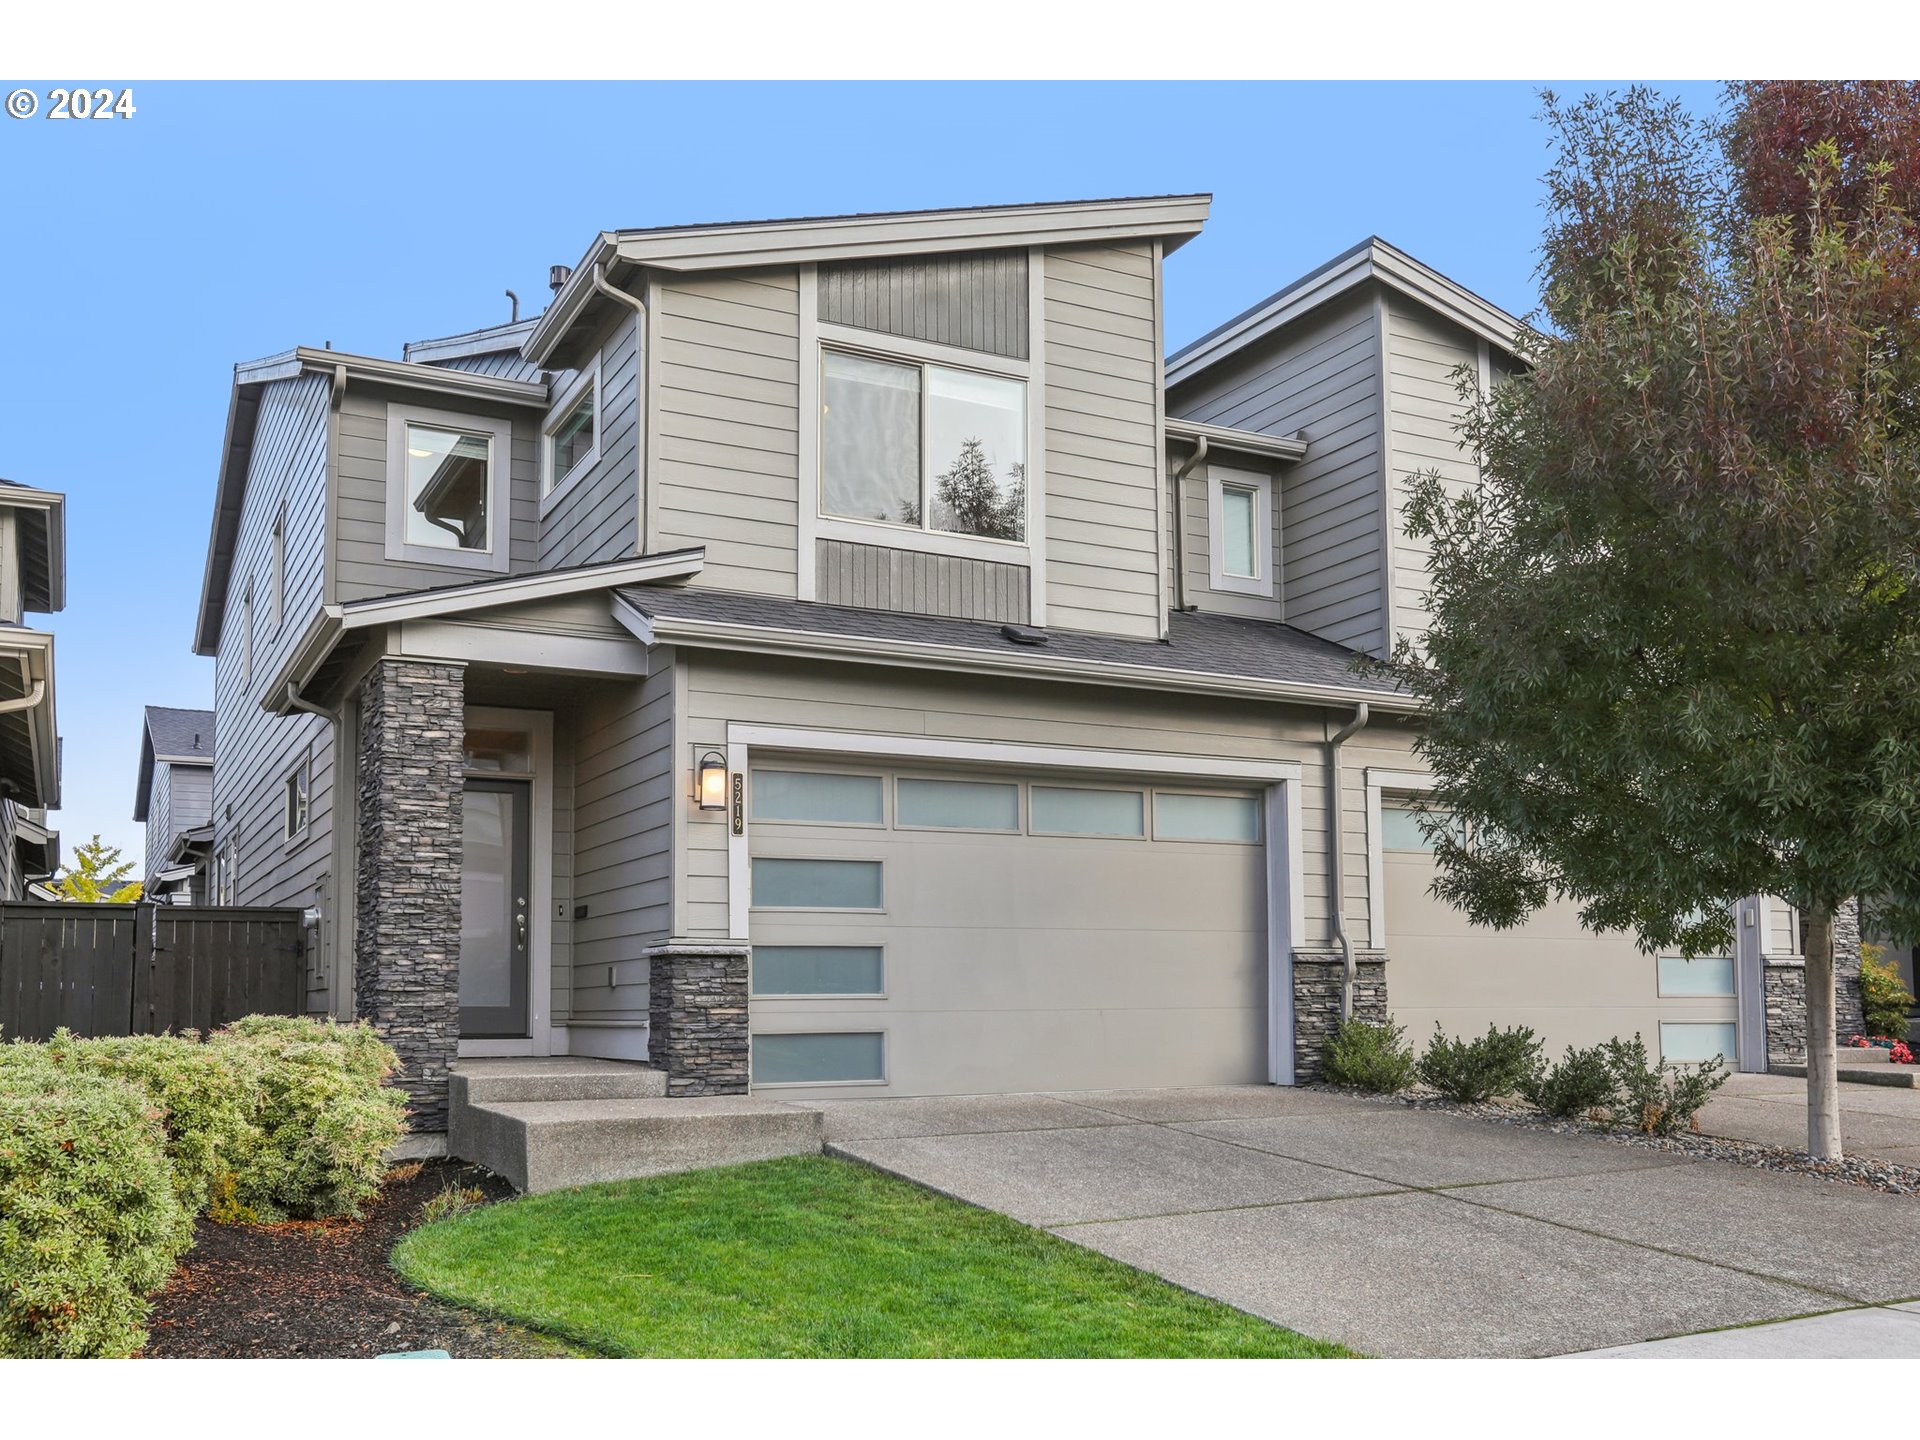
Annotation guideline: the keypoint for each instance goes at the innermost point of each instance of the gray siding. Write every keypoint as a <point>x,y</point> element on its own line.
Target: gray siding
<point>623,807</point>
<point>976,300</point>
<point>182,798</point>
<point>725,472</point>
<point>1103,457</point>
<point>361,567</point>
<point>13,883</point>
<point>1423,403</point>
<point>160,831</point>
<point>1321,376</point>
<point>597,516</point>
<point>758,690</point>
<point>879,577</point>
<point>256,749</point>
<point>1199,538</point>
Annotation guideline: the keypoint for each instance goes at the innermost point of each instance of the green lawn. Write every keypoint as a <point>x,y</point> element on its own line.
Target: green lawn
<point>811,1257</point>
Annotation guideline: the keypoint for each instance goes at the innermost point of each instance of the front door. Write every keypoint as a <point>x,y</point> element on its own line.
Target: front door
<point>494,916</point>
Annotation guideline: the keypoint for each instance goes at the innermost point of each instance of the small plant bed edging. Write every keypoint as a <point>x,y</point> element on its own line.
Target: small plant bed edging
<point>323,1288</point>
<point>1850,1170</point>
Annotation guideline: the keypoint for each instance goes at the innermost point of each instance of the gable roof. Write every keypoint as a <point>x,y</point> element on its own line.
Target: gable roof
<point>42,517</point>
<point>250,380</point>
<point>1372,259</point>
<point>170,737</point>
<point>736,244</point>
<point>1203,652</point>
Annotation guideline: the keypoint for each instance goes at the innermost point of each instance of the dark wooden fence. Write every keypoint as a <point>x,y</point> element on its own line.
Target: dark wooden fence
<point>144,969</point>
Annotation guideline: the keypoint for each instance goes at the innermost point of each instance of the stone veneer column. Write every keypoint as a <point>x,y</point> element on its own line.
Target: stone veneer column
<point>1850,1018</point>
<point>406,962</point>
<point>1317,978</point>
<point>1786,995</point>
<point>697,1015</point>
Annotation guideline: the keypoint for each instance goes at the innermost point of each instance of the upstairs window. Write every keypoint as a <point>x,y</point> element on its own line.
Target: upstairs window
<point>925,446</point>
<point>279,567</point>
<point>1240,519</point>
<point>298,799</point>
<point>572,432</point>
<point>447,484</point>
<point>447,488</point>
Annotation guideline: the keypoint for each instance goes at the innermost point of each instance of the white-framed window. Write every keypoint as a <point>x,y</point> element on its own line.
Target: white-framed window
<point>1689,1042</point>
<point>447,488</point>
<point>1240,530</point>
<point>819,971</point>
<point>929,804</point>
<point>279,593</point>
<point>1213,819</point>
<point>797,883</point>
<point>1704,976</point>
<point>246,636</point>
<point>819,1057</point>
<point>570,439</point>
<point>226,867</point>
<point>914,443</point>
<point>1086,810</point>
<point>297,798</point>
<point>816,797</point>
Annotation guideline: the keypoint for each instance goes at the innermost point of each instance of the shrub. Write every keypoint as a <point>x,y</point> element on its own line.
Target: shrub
<point>1498,1063</point>
<point>90,1220</point>
<point>1370,1056</point>
<point>1884,999</point>
<point>325,1120</point>
<point>205,1103</point>
<point>1581,1082</point>
<point>1660,1100</point>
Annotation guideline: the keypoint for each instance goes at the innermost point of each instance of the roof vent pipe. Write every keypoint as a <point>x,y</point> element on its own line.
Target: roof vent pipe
<point>557,276</point>
<point>514,319</point>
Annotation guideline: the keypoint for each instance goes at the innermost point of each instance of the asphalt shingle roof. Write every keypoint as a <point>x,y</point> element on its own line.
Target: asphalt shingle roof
<point>1199,642</point>
<point>183,734</point>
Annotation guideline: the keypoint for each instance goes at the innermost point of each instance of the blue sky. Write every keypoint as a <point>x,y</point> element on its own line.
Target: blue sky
<point>144,257</point>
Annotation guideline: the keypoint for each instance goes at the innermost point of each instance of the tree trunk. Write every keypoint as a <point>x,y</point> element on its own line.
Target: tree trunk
<point>1823,1077</point>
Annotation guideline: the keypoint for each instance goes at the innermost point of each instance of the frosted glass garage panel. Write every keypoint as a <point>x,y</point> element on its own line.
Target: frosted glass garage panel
<point>1059,811</point>
<point>817,970</point>
<point>957,804</point>
<point>817,884</point>
<point>1400,829</point>
<point>818,799</point>
<point>1710,975</point>
<point>823,1058</point>
<point>1687,1041</point>
<point>1206,817</point>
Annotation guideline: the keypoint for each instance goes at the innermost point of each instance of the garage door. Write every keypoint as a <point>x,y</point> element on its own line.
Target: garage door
<point>944,933</point>
<point>1572,986</point>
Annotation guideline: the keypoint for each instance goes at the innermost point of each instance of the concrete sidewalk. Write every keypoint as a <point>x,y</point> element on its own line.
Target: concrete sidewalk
<point>1875,1120</point>
<point>1405,1232</point>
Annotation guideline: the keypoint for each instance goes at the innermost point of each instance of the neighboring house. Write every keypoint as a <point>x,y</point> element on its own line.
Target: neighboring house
<point>33,581</point>
<point>173,798</point>
<point>831,649</point>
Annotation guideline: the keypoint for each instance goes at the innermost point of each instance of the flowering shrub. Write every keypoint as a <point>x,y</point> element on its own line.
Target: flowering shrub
<point>1884,999</point>
<point>1901,1054</point>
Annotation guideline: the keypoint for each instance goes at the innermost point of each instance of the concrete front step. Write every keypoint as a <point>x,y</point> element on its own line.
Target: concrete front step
<point>1898,1077</point>
<point>541,1145</point>
<point>485,1082</point>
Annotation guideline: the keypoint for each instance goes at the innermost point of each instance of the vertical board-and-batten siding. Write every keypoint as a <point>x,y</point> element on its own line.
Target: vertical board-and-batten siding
<point>882,577</point>
<point>1321,376</point>
<point>1424,355</point>
<point>596,516</point>
<point>1103,459</point>
<point>256,749</point>
<point>624,794</point>
<point>500,364</point>
<point>725,378</point>
<point>975,301</point>
<point>361,567</point>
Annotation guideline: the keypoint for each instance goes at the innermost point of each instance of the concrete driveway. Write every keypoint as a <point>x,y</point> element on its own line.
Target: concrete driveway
<point>1876,1121</point>
<point>1402,1232</point>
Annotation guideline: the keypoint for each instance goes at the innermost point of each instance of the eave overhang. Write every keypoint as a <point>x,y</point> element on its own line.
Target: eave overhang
<point>1240,442</point>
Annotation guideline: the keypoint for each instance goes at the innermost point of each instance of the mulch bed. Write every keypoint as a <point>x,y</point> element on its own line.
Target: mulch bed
<point>324,1289</point>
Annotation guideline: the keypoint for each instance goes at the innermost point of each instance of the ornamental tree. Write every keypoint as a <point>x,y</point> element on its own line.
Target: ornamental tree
<point>1674,655</point>
<point>98,876</point>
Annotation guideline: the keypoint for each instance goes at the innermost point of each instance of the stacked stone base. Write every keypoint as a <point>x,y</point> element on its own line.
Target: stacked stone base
<point>1786,995</point>
<point>1317,980</point>
<point>697,1015</point>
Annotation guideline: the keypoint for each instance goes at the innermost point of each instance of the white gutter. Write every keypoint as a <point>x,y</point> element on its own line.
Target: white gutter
<point>35,694</point>
<point>772,640</point>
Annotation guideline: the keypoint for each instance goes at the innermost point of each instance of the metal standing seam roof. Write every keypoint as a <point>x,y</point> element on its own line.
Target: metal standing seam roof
<point>1201,643</point>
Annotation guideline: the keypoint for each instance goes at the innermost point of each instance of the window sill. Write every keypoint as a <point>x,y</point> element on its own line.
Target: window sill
<point>928,542</point>
<point>484,560</point>
<point>568,483</point>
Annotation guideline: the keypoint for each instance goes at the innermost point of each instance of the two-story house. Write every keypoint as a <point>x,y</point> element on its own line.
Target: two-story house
<point>33,581</point>
<point>837,656</point>
<point>173,798</point>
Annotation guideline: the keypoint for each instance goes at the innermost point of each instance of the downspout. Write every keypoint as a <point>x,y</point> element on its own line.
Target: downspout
<point>35,694</point>
<point>1337,869</point>
<point>1178,487</point>
<point>296,701</point>
<point>639,308</point>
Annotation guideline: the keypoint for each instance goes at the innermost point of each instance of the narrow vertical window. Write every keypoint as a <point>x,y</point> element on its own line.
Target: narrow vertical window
<point>246,637</point>
<point>1241,530</point>
<point>279,568</point>
<point>1236,532</point>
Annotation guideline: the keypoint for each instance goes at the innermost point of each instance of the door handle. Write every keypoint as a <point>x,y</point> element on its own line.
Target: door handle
<point>520,929</point>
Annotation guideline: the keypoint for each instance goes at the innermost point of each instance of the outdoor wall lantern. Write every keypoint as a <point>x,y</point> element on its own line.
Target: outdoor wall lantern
<point>710,781</point>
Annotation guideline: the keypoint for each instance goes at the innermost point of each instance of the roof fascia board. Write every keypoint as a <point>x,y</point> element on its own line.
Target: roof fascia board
<point>236,451</point>
<point>767,640</point>
<point>568,302</point>
<point>463,383</point>
<point>1241,442</point>
<point>496,340</point>
<point>51,506</point>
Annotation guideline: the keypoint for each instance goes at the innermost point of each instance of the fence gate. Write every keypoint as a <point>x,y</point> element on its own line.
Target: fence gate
<point>144,969</point>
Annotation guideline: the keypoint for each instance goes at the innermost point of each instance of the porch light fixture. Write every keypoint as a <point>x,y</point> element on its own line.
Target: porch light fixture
<point>710,781</point>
